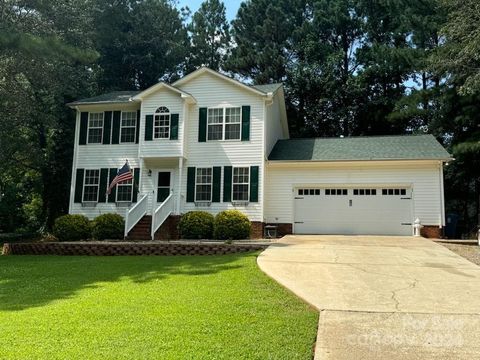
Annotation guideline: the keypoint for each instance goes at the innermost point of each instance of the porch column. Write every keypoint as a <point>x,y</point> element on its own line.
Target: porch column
<point>179,191</point>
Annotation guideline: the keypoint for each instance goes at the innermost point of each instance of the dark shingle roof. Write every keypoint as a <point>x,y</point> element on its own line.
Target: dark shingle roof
<point>114,97</point>
<point>267,88</point>
<point>408,147</point>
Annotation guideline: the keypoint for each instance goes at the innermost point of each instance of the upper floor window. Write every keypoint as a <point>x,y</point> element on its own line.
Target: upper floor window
<point>203,184</point>
<point>95,128</point>
<point>224,123</point>
<point>91,184</point>
<point>128,126</point>
<point>240,183</point>
<point>161,123</point>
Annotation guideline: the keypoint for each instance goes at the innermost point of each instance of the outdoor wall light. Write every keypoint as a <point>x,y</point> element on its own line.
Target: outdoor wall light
<point>149,172</point>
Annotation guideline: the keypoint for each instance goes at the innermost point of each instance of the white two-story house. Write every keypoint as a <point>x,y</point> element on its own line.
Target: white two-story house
<point>208,142</point>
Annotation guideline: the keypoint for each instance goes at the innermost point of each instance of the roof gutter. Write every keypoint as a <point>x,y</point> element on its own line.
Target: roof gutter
<point>354,160</point>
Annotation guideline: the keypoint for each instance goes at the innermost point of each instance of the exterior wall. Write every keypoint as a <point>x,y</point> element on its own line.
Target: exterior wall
<point>273,126</point>
<point>210,91</point>
<point>423,177</point>
<point>162,147</point>
<point>96,156</point>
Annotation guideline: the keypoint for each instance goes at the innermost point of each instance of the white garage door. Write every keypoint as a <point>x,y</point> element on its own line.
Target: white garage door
<point>366,210</point>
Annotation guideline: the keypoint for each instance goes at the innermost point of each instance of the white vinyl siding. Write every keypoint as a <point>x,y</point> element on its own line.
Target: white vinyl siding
<point>422,178</point>
<point>95,128</point>
<point>212,92</point>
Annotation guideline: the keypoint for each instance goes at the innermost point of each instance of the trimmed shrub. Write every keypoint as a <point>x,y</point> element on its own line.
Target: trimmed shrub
<point>196,225</point>
<point>232,225</point>
<point>72,228</point>
<point>108,226</point>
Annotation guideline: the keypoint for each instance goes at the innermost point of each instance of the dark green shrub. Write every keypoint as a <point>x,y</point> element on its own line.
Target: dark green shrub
<point>108,226</point>
<point>232,225</point>
<point>72,228</point>
<point>196,225</point>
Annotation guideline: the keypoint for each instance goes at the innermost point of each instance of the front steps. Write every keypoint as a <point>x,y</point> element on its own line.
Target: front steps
<point>167,231</point>
<point>142,230</point>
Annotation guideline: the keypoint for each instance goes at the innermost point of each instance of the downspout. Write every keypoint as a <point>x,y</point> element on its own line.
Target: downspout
<point>442,197</point>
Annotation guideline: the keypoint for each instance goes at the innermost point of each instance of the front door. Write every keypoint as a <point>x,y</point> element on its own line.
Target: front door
<point>163,185</point>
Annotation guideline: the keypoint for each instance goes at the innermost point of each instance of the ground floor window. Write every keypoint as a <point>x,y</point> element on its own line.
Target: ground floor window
<point>125,191</point>
<point>203,185</point>
<point>90,185</point>
<point>240,183</point>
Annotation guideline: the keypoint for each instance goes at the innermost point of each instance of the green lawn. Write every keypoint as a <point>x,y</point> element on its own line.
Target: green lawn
<point>210,307</point>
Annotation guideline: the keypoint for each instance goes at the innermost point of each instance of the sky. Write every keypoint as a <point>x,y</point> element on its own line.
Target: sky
<point>231,5</point>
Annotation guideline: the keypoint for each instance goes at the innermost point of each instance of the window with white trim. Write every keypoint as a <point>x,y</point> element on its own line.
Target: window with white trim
<point>95,128</point>
<point>241,184</point>
<point>203,185</point>
<point>128,126</point>
<point>161,123</point>
<point>125,191</point>
<point>224,123</point>
<point>91,184</point>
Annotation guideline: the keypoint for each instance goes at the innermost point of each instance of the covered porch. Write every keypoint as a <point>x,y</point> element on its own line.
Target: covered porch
<point>159,196</point>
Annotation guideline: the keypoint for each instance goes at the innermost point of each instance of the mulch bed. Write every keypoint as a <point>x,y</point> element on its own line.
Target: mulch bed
<point>126,248</point>
<point>470,252</point>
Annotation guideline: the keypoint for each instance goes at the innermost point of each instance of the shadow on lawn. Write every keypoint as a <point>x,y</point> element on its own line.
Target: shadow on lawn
<point>30,281</point>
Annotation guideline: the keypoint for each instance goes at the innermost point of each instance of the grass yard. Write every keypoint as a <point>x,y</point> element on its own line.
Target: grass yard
<point>210,307</point>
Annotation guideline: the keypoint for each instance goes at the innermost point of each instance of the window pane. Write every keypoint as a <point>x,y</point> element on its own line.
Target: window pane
<point>240,184</point>
<point>240,192</point>
<point>90,189</point>
<point>161,126</point>
<point>215,132</point>
<point>232,115</point>
<point>215,116</point>
<point>203,192</point>
<point>232,131</point>
<point>124,192</point>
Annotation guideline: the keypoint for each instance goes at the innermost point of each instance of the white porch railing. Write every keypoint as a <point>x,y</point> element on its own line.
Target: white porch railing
<point>162,213</point>
<point>133,215</point>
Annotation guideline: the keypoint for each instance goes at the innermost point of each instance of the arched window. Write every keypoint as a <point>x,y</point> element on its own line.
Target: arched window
<point>161,124</point>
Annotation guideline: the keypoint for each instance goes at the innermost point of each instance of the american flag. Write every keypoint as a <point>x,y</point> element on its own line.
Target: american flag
<point>123,174</point>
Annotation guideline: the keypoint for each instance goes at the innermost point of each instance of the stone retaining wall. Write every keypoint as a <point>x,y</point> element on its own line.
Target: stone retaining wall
<point>112,249</point>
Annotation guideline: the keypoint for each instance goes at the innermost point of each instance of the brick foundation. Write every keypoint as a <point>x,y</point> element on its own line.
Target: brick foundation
<point>125,249</point>
<point>169,229</point>
<point>257,230</point>
<point>429,231</point>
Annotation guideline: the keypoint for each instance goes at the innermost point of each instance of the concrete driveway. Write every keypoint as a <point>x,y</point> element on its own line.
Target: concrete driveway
<point>382,297</point>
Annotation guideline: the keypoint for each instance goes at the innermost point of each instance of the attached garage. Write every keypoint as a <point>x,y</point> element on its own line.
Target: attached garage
<point>363,185</point>
<point>339,209</point>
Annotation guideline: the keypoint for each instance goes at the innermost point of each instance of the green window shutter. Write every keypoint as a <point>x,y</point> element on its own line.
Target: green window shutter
<point>191,184</point>
<point>148,127</point>
<point>227,184</point>
<point>107,127</point>
<point>102,197</point>
<point>112,197</point>
<point>217,174</point>
<point>136,184</point>
<point>174,127</point>
<point>253,183</point>
<point>137,135</point>
<point>116,127</point>
<point>246,123</point>
<point>202,125</point>
<point>83,128</point>
<point>79,186</point>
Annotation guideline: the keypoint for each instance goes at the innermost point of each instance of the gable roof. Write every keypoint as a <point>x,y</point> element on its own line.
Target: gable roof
<point>114,97</point>
<point>157,87</point>
<point>204,70</point>
<point>408,147</point>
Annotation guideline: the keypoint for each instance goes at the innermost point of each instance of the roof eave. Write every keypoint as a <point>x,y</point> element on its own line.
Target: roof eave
<point>75,104</point>
<point>360,160</point>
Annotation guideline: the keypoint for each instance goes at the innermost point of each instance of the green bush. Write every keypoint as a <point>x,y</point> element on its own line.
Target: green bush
<point>196,225</point>
<point>72,228</point>
<point>108,226</point>
<point>232,225</point>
